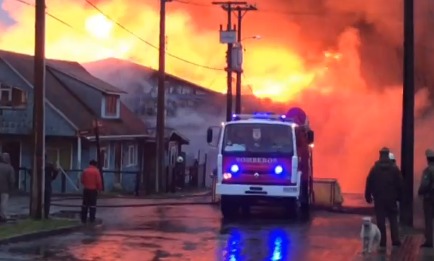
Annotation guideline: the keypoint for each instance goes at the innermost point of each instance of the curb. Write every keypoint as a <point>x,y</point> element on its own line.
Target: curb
<point>39,234</point>
<point>138,205</point>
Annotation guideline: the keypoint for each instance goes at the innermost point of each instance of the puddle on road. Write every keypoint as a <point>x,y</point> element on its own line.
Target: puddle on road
<point>41,252</point>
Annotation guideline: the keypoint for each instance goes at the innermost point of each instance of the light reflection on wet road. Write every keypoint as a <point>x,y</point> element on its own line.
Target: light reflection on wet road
<point>196,233</point>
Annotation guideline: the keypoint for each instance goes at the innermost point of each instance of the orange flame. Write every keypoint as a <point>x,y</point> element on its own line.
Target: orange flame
<point>352,120</point>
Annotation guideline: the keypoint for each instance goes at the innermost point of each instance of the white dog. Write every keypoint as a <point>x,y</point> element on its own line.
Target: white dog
<point>370,235</point>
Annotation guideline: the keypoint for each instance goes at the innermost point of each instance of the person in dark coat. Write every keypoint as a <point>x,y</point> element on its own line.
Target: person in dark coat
<point>51,172</point>
<point>426,191</point>
<point>384,187</point>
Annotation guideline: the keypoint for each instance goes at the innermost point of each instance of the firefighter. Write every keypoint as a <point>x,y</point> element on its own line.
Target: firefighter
<point>178,179</point>
<point>384,187</point>
<point>392,157</point>
<point>91,181</point>
<point>426,191</point>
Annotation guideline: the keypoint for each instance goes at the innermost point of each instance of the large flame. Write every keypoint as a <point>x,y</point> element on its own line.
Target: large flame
<point>313,61</point>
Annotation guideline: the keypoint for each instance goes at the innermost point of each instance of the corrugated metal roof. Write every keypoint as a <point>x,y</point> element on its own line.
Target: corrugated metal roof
<point>69,104</point>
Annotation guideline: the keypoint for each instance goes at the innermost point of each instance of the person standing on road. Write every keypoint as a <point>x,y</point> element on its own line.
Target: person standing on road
<point>426,191</point>
<point>7,181</point>
<point>92,184</point>
<point>384,187</point>
<point>51,172</point>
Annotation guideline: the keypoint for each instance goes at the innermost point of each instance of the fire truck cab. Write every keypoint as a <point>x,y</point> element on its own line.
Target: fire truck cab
<point>265,158</point>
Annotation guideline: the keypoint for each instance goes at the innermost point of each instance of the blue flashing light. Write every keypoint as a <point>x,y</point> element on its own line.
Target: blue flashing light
<point>262,115</point>
<point>278,169</point>
<point>235,117</point>
<point>235,168</point>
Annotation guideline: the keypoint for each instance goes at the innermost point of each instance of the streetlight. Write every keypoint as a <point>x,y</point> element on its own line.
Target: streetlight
<point>251,37</point>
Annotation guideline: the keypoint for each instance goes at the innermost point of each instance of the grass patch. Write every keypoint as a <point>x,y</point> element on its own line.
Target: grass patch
<point>27,226</point>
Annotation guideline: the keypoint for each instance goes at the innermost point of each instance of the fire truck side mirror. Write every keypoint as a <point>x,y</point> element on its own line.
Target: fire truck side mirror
<point>209,135</point>
<point>310,137</point>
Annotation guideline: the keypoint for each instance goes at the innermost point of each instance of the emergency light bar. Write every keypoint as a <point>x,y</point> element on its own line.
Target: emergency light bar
<point>261,115</point>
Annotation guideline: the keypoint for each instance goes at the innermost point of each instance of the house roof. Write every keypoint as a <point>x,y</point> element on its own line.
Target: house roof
<point>58,93</point>
<point>169,133</point>
<point>118,64</point>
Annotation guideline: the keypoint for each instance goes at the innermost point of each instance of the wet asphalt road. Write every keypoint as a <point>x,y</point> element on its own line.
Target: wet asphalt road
<point>197,233</point>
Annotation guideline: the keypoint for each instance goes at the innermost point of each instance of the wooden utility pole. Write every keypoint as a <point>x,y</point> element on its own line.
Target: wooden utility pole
<point>38,177</point>
<point>407,135</point>
<point>228,37</point>
<point>96,130</point>
<point>240,12</point>
<point>160,177</point>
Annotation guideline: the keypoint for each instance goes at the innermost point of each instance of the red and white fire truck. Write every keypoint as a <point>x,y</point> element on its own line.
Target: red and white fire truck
<point>265,157</point>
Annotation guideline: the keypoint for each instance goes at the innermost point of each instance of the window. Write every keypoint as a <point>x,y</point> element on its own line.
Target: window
<point>12,97</point>
<point>111,106</point>
<point>132,155</point>
<point>105,157</point>
<point>257,138</point>
<point>186,90</point>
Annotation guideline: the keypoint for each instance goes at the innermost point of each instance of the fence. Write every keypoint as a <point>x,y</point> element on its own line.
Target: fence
<point>196,173</point>
<point>68,181</point>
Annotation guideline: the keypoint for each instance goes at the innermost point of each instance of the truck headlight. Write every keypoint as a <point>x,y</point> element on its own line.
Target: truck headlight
<point>278,169</point>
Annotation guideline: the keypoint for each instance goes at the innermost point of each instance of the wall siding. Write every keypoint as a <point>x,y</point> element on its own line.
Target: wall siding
<point>129,176</point>
<point>19,121</point>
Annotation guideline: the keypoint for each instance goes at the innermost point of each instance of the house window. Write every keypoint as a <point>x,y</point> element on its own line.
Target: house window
<point>111,106</point>
<point>132,155</point>
<point>186,90</point>
<point>104,157</point>
<point>12,97</point>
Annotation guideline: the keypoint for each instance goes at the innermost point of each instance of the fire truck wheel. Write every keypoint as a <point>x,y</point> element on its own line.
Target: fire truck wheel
<point>229,207</point>
<point>291,208</point>
<point>304,211</point>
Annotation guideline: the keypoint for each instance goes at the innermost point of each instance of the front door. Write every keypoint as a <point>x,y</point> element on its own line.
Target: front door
<point>14,150</point>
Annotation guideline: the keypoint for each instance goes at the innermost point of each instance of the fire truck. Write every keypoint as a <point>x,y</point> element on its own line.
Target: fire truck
<point>264,158</point>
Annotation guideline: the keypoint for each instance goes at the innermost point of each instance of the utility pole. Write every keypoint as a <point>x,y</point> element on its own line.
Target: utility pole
<point>96,130</point>
<point>407,135</point>
<point>241,11</point>
<point>229,37</point>
<point>38,176</point>
<point>160,176</point>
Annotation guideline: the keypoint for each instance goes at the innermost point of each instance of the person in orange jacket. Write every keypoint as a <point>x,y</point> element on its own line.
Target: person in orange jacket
<point>91,181</point>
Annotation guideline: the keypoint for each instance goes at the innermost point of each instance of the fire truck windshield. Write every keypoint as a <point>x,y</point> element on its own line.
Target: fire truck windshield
<point>258,138</point>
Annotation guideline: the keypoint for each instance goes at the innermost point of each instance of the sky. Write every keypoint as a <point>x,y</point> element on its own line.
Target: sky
<point>4,17</point>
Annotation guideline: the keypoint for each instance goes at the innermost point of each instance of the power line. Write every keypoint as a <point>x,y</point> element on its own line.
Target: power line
<point>147,42</point>
<point>47,13</point>
<point>192,3</point>
<point>186,2</point>
<point>124,28</point>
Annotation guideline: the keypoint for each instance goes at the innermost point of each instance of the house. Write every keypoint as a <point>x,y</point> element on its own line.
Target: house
<point>75,102</point>
<point>190,108</point>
